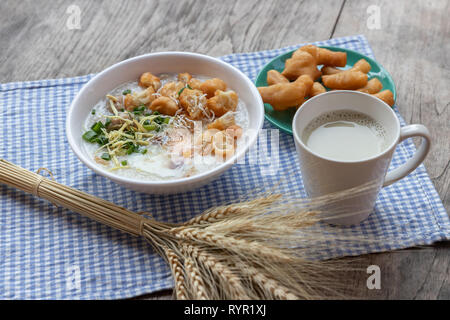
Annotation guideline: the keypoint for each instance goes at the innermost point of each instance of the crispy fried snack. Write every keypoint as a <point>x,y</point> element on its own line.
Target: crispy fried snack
<point>326,70</point>
<point>345,80</point>
<point>362,65</point>
<point>184,77</point>
<point>316,89</point>
<point>373,86</point>
<point>311,49</point>
<point>164,105</point>
<point>149,80</point>
<point>286,95</point>
<point>274,77</point>
<point>210,86</point>
<point>131,101</point>
<point>171,89</point>
<point>324,56</point>
<point>224,122</point>
<point>302,63</point>
<point>195,83</point>
<point>193,101</point>
<point>385,95</point>
<point>222,102</point>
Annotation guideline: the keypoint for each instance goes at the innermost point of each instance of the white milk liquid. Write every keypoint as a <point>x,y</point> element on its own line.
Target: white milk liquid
<point>345,135</point>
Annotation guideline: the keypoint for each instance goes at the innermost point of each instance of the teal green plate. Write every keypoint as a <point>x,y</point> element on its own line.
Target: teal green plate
<point>283,119</point>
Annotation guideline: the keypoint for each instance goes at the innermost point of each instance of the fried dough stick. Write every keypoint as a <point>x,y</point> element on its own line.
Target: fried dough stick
<point>346,80</point>
<point>362,65</point>
<point>373,86</point>
<point>316,89</point>
<point>385,95</point>
<point>274,77</point>
<point>302,63</point>
<point>286,95</point>
<point>324,56</point>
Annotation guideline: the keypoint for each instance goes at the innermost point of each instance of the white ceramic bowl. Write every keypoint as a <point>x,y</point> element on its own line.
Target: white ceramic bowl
<point>163,62</point>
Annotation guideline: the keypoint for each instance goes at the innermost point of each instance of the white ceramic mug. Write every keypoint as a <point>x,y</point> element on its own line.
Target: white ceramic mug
<point>322,175</point>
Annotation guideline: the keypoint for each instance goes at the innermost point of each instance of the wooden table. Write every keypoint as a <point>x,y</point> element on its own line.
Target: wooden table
<point>40,39</point>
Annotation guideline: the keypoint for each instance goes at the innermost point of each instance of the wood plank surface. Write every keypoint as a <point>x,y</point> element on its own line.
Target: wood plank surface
<point>36,43</point>
<point>412,43</point>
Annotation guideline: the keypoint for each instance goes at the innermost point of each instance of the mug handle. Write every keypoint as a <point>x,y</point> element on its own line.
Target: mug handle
<point>414,130</point>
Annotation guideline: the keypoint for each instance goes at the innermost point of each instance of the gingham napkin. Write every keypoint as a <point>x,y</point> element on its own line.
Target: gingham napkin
<point>52,253</point>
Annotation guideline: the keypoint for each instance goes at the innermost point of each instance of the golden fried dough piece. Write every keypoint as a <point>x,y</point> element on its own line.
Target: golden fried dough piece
<point>149,80</point>
<point>193,101</point>
<point>345,80</point>
<point>164,105</point>
<point>325,56</point>
<point>332,58</point>
<point>302,64</point>
<point>274,77</point>
<point>282,96</point>
<point>212,85</point>
<point>373,86</point>
<point>385,95</point>
<point>171,89</point>
<point>195,83</point>
<point>361,65</point>
<point>184,77</point>
<point>311,49</point>
<point>131,101</point>
<point>317,88</point>
<point>326,70</point>
<point>224,122</point>
<point>222,102</point>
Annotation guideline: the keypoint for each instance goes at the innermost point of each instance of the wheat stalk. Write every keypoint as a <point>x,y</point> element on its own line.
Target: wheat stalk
<point>238,246</point>
<point>229,281</point>
<point>198,288</point>
<point>255,249</point>
<point>178,274</point>
<point>272,287</point>
<point>222,212</point>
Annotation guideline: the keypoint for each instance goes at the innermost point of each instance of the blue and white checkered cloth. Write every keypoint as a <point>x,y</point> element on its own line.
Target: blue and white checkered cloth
<point>52,253</point>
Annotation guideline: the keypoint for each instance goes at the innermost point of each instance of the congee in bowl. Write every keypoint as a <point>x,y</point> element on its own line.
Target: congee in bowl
<point>165,126</point>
